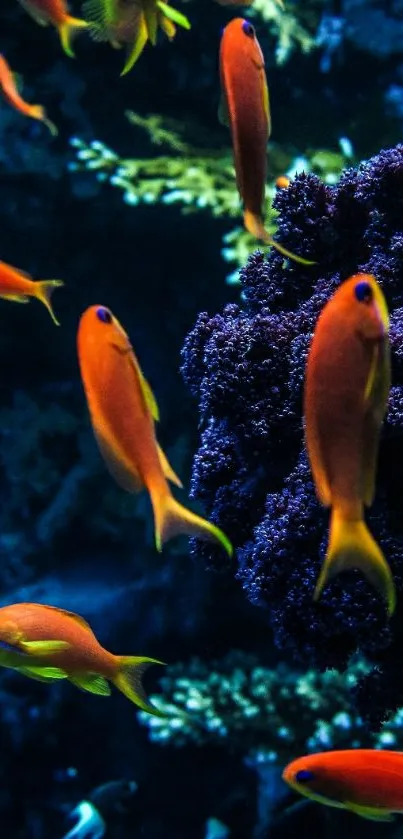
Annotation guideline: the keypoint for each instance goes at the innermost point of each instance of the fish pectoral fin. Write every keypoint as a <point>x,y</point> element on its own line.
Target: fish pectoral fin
<point>43,648</point>
<point>173,15</point>
<point>369,387</point>
<point>91,682</point>
<point>149,398</point>
<point>150,402</point>
<point>223,112</point>
<point>43,674</point>
<point>15,298</point>
<point>126,477</point>
<point>167,469</point>
<point>371,813</point>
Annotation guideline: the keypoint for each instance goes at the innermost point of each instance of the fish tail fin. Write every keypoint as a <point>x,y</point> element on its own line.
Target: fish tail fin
<point>38,112</point>
<point>44,290</point>
<point>128,680</point>
<point>67,30</point>
<point>172,519</point>
<point>351,545</point>
<point>256,228</point>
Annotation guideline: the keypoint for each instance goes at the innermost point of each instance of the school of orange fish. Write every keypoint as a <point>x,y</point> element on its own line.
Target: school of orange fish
<point>344,406</point>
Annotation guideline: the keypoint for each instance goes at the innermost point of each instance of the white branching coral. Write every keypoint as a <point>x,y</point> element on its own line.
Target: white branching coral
<point>268,715</point>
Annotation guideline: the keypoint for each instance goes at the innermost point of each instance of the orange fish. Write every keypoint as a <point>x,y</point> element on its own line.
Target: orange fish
<point>245,109</point>
<point>282,182</point>
<point>123,412</point>
<point>369,782</point>
<point>46,643</point>
<point>9,90</point>
<point>132,23</point>
<point>55,12</point>
<point>18,286</point>
<point>347,385</point>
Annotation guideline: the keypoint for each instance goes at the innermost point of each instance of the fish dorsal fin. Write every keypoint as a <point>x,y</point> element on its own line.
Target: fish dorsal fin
<point>127,477</point>
<point>77,618</point>
<point>223,111</point>
<point>148,396</point>
<point>167,469</point>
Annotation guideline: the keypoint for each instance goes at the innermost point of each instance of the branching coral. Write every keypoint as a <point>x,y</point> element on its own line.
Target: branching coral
<point>287,27</point>
<point>259,712</point>
<point>195,179</point>
<point>246,369</point>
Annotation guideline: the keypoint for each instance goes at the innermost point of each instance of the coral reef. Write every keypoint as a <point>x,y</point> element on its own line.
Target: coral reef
<point>259,712</point>
<point>245,367</point>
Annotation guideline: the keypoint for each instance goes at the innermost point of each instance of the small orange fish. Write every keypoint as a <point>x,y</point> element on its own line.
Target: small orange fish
<point>18,286</point>
<point>123,411</point>
<point>9,90</point>
<point>282,182</point>
<point>47,644</point>
<point>55,12</point>
<point>245,109</point>
<point>369,782</point>
<point>347,384</point>
<point>132,23</point>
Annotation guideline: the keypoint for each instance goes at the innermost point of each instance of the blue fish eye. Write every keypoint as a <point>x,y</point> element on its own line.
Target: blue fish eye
<point>248,29</point>
<point>304,776</point>
<point>104,315</point>
<point>363,292</point>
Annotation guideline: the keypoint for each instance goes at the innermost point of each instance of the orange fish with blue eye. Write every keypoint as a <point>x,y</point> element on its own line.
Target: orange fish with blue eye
<point>347,384</point>
<point>9,90</point>
<point>123,413</point>
<point>55,13</point>
<point>368,782</point>
<point>245,108</point>
<point>132,23</point>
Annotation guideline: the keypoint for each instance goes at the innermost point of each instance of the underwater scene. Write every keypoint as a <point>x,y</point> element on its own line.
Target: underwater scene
<point>201,419</point>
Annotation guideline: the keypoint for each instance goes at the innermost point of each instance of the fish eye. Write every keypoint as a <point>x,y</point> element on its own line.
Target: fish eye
<point>104,314</point>
<point>248,29</point>
<point>304,776</point>
<point>363,292</point>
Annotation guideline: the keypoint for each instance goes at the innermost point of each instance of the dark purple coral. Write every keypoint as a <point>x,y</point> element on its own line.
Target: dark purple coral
<point>246,368</point>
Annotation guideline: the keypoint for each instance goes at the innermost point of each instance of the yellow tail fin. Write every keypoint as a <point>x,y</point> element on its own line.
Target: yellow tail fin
<point>67,29</point>
<point>43,291</point>
<point>128,680</point>
<point>171,519</point>
<point>255,227</point>
<point>38,112</point>
<point>352,546</point>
